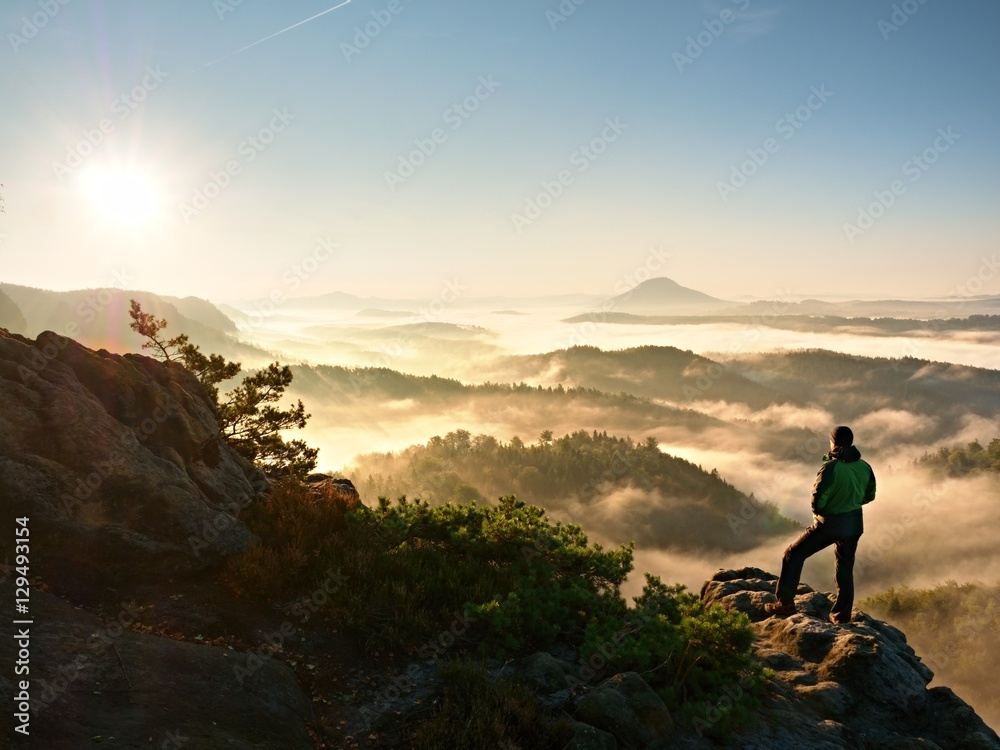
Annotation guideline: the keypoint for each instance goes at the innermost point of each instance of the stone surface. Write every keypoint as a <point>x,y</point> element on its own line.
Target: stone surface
<point>841,686</point>
<point>586,737</point>
<point>117,461</point>
<point>95,683</point>
<point>626,707</point>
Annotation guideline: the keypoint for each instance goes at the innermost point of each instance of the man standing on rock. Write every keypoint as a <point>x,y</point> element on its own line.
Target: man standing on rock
<point>843,485</point>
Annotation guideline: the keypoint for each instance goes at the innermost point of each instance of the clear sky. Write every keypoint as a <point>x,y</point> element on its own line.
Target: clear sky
<point>741,137</point>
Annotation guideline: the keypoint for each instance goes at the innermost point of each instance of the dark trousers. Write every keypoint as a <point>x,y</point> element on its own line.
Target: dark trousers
<point>844,530</point>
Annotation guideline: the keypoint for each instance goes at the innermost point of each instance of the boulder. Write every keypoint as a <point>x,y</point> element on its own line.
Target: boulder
<point>543,672</point>
<point>96,683</point>
<point>585,737</point>
<point>117,461</point>
<point>854,685</point>
<point>626,707</point>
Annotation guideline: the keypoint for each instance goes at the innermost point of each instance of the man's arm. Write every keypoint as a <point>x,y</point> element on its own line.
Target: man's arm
<point>822,486</point>
<point>870,489</point>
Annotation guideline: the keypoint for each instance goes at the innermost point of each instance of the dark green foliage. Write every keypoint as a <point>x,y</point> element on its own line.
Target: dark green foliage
<point>252,423</point>
<point>248,419</point>
<point>961,461</point>
<point>672,502</point>
<point>521,581</point>
<point>475,710</point>
<point>955,629</point>
<point>697,657</point>
<point>440,582</point>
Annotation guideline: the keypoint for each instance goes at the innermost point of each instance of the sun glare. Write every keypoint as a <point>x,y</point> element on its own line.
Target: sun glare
<point>121,196</point>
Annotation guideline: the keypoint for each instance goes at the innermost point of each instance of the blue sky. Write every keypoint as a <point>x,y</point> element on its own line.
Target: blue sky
<point>808,111</point>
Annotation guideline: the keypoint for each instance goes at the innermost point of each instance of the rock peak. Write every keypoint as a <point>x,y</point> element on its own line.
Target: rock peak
<point>850,686</point>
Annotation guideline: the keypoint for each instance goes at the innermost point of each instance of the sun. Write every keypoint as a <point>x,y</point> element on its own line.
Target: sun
<point>121,195</point>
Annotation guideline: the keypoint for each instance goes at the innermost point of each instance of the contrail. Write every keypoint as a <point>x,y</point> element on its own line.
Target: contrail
<point>271,36</point>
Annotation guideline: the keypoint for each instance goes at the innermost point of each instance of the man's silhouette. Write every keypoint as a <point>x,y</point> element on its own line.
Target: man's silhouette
<point>843,485</point>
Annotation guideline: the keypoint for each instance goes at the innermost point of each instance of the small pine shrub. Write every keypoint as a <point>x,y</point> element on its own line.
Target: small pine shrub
<point>444,581</point>
<point>697,657</point>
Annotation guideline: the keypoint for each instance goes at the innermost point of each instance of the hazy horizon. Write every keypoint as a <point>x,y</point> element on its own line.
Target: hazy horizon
<point>245,139</point>
<point>469,219</point>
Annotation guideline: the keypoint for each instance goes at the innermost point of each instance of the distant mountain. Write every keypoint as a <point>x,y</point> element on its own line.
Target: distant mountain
<point>10,315</point>
<point>99,318</point>
<point>663,296</point>
<point>454,297</point>
<point>376,312</point>
<point>949,307</point>
<point>202,311</point>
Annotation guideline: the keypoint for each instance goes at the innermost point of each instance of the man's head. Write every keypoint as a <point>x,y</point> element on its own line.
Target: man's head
<point>841,437</point>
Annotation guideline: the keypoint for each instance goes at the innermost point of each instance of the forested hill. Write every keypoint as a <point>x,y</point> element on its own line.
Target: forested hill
<point>971,458</point>
<point>625,490</point>
<point>388,397</point>
<point>941,395</point>
<point>658,372</point>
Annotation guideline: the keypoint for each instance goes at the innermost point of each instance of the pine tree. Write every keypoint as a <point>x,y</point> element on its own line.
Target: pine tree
<point>249,419</point>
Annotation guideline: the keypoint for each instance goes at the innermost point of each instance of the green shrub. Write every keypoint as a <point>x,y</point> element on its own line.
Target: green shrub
<point>697,657</point>
<point>522,581</point>
<point>446,580</point>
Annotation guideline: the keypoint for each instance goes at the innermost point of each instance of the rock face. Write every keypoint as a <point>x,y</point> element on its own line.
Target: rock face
<point>98,684</point>
<point>626,707</point>
<point>842,686</point>
<point>116,461</point>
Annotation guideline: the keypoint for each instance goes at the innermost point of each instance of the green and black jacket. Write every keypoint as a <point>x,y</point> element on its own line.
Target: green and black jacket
<point>843,484</point>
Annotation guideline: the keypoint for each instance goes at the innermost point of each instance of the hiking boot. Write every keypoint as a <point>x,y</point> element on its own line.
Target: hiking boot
<point>835,621</point>
<point>779,609</point>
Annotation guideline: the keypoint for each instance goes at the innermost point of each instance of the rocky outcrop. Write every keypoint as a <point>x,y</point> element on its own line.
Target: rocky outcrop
<point>116,460</point>
<point>842,686</point>
<point>94,682</point>
<point>626,707</point>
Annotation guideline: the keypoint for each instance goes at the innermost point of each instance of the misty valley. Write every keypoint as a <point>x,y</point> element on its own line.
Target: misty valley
<point>703,456</point>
